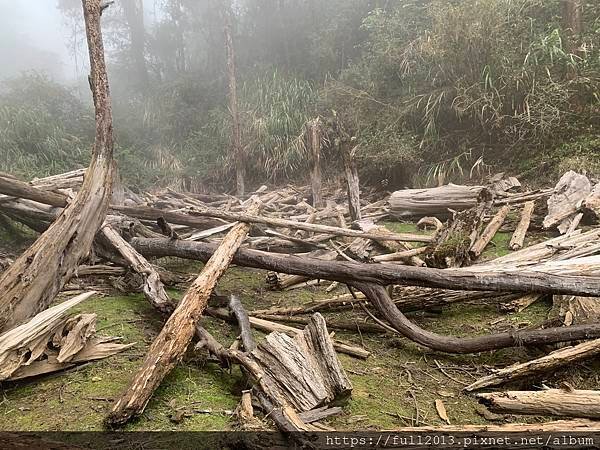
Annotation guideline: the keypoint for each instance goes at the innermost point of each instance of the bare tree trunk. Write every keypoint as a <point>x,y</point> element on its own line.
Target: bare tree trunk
<point>236,138</point>
<point>352,181</point>
<point>170,345</point>
<point>35,278</point>
<point>314,138</point>
<point>134,15</point>
<point>572,22</point>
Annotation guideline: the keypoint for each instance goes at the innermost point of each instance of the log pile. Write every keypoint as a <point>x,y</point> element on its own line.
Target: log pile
<point>92,226</point>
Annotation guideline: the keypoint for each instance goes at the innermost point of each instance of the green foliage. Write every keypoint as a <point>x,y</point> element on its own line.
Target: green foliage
<point>44,128</point>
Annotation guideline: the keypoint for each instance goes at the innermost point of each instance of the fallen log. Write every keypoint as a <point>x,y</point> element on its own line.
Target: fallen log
<point>436,202</point>
<point>236,308</point>
<point>531,369</point>
<point>584,404</point>
<point>170,345</point>
<point>34,279</point>
<point>153,288</point>
<point>484,279</point>
<point>20,189</point>
<point>198,215</point>
<point>490,231</point>
<point>518,237</point>
<point>378,295</point>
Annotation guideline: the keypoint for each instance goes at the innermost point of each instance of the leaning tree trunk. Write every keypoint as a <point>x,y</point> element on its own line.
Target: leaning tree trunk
<point>34,279</point>
<point>236,137</point>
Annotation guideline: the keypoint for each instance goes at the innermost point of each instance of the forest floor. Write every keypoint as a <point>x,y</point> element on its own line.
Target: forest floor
<point>396,386</point>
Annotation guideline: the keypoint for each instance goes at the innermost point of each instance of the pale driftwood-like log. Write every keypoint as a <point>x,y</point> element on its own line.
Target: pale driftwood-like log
<point>518,237</point>
<point>574,426</point>
<point>197,218</point>
<point>584,404</point>
<point>484,279</point>
<point>171,343</point>
<point>34,279</point>
<point>569,194</point>
<point>560,358</point>
<point>50,341</point>
<point>398,248</point>
<point>438,202</point>
<point>153,288</point>
<point>489,232</point>
<point>402,255</point>
<point>20,189</point>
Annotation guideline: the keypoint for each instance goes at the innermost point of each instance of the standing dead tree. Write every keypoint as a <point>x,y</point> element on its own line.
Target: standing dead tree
<point>236,133</point>
<point>34,279</point>
<point>313,129</point>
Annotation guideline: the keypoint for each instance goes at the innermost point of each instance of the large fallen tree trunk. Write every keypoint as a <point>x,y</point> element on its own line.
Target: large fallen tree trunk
<point>349,272</point>
<point>531,369</point>
<point>555,402</point>
<point>34,279</point>
<point>436,202</point>
<point>170,345</point>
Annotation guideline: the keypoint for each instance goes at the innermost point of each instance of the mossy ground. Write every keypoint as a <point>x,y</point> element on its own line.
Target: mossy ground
<point>396,386</point>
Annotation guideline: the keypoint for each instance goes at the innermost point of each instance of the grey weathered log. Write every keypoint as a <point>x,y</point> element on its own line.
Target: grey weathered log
<point>436,202</point>
<point>563,357</point>
<point>489,232</point>
<point>486,279</point>
<point>549,402</point>
<point>241,316</point>
<point>518,237</point>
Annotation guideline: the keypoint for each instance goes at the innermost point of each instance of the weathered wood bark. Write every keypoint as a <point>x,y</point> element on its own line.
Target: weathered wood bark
<point>490,231</point>
<point>34,279</point>
<point>452,245</point>
<point>153,287</point>
<point>314,138</point>
<point>518,237</point>
<point>518,280</point>
<point>196,220</point>
<point>552,402</point>
<point>352,181</point>
<point>575,310</point>
<point>581,425</point>
<point>399,256</point>
<point>171,343</point>
<point>436,202</point>
<point>534,368</point>
<point>20,189</point>
<point>398,248</point>
<point>237,309</point>
<point>569,194</point>
<point>236,132</point>
<point>51,341</point>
